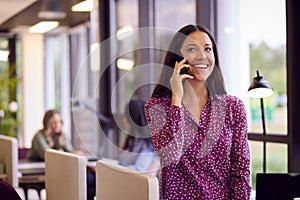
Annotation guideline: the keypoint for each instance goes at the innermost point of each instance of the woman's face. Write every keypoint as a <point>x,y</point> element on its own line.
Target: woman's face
<point>56,123</point>
<point>197,48</point>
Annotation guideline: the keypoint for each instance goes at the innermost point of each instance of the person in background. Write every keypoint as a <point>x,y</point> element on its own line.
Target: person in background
<point>198,130</point>
<point>50,136</point>
<point>138,151</point>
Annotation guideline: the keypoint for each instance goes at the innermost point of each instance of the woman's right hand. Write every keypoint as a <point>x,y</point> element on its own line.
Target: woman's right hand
<point>176,82</point>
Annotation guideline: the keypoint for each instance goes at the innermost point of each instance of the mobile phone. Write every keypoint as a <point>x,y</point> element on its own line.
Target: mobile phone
<point>185,70</point>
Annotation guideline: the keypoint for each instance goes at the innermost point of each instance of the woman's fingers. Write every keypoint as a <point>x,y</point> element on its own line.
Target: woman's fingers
<point>179,66</point>
<point>186,76</point>
<point>182,61</point>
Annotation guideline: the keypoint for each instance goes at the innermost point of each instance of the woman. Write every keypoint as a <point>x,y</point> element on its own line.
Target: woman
<point>50,136</point>
<point>198,131</point>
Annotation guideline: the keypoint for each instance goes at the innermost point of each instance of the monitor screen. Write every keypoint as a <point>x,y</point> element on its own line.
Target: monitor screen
<point>277,186</point>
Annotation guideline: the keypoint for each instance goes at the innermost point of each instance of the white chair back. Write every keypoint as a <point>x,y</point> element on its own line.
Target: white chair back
<point>115,182</point>
<point>9,156</point>
<point>65,176</point>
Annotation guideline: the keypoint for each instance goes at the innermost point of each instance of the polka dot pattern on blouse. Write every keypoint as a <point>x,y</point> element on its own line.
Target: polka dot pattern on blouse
<point>208,159</point>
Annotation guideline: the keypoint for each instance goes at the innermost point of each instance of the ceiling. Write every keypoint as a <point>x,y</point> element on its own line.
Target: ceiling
<point>14,13</point>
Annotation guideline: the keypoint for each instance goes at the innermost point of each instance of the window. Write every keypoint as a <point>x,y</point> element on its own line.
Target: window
<point>267,47</point>
<point>9,86</point>
<point>84,90</point>
<point>251,42</point>
<point>181,12</point>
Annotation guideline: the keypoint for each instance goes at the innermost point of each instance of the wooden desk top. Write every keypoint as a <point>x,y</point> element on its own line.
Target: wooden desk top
<point>32,179</point>
<point>31,165</point>
<point>31,172</point>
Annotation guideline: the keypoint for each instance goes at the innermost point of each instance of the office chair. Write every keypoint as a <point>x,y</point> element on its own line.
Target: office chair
<point>115,182</point>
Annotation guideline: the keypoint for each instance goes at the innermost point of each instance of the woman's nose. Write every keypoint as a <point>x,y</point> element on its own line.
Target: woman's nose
<point>201,54</point>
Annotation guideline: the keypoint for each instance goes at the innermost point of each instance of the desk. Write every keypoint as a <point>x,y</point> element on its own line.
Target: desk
<point>31,175</point>
<point>92,163</point>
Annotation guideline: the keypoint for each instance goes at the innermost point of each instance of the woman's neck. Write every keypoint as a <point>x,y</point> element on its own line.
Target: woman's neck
<point>195,92</point>
<point>195,97</point>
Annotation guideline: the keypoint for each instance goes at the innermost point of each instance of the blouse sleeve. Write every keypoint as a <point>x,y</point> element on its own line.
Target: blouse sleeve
<point>165,123</point>
<point>240,155</point>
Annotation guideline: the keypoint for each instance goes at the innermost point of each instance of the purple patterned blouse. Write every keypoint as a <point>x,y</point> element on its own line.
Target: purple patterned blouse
<point>208,159</point>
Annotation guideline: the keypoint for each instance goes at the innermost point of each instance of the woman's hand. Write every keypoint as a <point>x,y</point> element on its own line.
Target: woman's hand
<point>176,82</point>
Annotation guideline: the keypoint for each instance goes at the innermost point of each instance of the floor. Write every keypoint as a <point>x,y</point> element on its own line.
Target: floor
<point>32,194</point>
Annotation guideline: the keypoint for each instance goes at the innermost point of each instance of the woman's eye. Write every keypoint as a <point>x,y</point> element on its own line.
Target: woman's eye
<point>191,49</point>
<point>208,49</point>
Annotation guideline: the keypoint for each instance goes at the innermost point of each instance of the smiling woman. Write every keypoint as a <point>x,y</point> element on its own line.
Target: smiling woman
<point>198,131</point>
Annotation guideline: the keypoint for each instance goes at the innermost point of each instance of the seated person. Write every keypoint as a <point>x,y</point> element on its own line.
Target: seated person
<point>138,150</point>
<point>50,136</point>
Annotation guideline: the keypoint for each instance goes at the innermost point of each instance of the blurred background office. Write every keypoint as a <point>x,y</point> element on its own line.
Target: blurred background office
<point>92,62</point>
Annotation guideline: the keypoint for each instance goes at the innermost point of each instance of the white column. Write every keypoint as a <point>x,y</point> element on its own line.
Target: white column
<point>32,50</point>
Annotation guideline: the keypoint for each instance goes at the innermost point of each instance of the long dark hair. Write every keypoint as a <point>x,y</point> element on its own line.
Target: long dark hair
<point>134,112</point>
<point>215,82</point>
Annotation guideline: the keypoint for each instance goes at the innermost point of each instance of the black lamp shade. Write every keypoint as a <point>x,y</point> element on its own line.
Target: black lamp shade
<point>51,9</point>
<point>260,88</point>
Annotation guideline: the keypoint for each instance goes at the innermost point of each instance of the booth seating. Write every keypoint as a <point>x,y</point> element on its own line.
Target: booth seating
<point>18,173</point>
<point>115,182</point>
<point>32,176</point>
<point>9,160</point>
<point>65,176</point>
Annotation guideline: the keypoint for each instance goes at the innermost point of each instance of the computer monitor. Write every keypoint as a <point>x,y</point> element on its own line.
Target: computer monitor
<point>277,186</point>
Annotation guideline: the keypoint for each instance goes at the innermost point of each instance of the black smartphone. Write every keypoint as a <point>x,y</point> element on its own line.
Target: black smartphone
<point>185,70</point>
